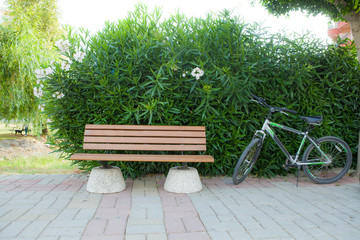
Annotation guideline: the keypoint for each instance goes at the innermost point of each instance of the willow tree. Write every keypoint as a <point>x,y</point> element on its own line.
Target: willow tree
<point>348,10</point>
<point>27,33</point>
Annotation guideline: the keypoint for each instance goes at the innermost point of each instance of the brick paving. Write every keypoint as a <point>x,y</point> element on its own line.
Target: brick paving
<point>46,207</point>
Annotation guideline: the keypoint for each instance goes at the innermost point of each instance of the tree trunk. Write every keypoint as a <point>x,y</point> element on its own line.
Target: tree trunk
<point>354,21</point>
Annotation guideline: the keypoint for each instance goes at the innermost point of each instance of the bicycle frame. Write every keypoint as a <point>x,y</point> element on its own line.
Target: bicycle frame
<point>294,160</point>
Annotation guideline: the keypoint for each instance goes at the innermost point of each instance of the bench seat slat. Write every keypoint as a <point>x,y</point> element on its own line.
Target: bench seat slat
<point>143,147</point>
<point>150,140</point>
<point>126,133</point>
<point>144,127</point>
<point>141,157</point>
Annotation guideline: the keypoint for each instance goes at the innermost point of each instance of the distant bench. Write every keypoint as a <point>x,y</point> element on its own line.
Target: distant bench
<point>144,138</point>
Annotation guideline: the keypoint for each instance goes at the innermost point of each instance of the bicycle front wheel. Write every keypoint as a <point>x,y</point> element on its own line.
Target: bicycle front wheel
<point>247,160</point>
<point>328,161</point>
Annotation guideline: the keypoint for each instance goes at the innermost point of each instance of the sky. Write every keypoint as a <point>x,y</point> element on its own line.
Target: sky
<point>92,14</point>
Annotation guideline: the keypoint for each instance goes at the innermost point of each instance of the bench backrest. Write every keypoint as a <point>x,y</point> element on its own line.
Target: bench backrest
<point>144,138</point>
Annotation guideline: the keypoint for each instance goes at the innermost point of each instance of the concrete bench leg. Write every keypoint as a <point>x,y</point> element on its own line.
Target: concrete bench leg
<point>183,180</point>
<point>105,180</point>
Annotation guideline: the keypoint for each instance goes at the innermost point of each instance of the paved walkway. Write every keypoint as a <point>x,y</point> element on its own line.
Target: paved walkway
<point>49,207</point>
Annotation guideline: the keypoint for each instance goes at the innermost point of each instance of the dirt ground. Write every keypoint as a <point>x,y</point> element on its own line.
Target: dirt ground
<point>23,146</point>
<point>13,145</point>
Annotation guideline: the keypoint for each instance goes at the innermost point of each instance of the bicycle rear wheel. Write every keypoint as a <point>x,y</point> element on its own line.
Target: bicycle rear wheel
<point>330,169</point>
<point>247,161</point>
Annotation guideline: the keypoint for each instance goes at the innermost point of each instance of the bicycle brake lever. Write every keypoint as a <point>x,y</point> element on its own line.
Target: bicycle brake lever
<point>284,113</point>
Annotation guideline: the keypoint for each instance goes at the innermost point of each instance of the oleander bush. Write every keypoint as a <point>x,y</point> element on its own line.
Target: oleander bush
<point>192,71</point>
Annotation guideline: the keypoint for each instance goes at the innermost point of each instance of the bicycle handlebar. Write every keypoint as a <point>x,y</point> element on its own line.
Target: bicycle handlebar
<point>262,101</point>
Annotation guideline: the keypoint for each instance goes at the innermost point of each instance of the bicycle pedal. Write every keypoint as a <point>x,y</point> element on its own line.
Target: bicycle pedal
<point>288,166</point>
<point>285,167</point>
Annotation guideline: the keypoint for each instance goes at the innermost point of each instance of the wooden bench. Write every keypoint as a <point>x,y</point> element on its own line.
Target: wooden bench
<point>144,138</point>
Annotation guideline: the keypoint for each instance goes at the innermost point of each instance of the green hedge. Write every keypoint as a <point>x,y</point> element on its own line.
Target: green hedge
<point>138,71</point>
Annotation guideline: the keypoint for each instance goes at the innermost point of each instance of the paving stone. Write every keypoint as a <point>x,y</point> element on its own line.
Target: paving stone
<point>104,237</point>
<point>34,229</point>
<point>275,233</point>
<point>135,237</point>
<point>147,221</point>
<point>68,223</point>
<point>96,227</point>
<point>3,224</point>
<point>156,236</point>
<point>174,225</point>
<point>259,209</point>
<point>298,233</point>
<point>13,214</point>
<point>70,238</point>
<point>85,214</point>
<point>243,235</point>
<point>13,229</point>
<point>3,211</point>
<point>60,203</point>
<point>221,235</point>
<point>84,203</point>
<point>148,228</point>
<point>68,214</point>
<point>63,231</point>
<point>318,233</point>
<point>42,214</point>
<point>190,235</point>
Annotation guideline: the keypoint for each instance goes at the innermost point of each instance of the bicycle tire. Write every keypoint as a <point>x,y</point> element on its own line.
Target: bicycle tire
<point>337,150</point>
<point>247,161</point>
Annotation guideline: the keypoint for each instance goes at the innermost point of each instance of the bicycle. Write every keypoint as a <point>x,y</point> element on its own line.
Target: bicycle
<point>325,160</point>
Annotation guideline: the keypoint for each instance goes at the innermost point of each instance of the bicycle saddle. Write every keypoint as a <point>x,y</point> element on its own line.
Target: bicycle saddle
<point>312,119</point>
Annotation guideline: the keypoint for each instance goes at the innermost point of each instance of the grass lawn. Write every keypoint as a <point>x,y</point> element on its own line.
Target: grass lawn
<point>42,164</point>
<point>7,132</point>
<point>36,163</point>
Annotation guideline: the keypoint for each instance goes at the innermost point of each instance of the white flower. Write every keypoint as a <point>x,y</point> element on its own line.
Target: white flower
<point>65,65</point>
<point>66,43</point>
<point>58,95</point>
<point>63,45</point>
<point>48,71</point>
<point>197,73</point>
<point>42,73</point>
<point>41,107</point>
<point>184,74</point>
<point>38,71</point>
<point>58,44</point>
<point>35,91</point>
<point>38,92</point>
<point>79,56</point>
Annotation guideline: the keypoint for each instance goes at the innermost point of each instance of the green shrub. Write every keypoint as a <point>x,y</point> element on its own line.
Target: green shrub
<point>138,71</point>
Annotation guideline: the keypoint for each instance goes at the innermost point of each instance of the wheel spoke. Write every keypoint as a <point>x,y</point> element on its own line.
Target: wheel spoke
<point>330,168</point>
<point>246,161</point>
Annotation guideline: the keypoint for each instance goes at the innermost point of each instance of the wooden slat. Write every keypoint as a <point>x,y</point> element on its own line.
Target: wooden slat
<point>144,127</point>
<point>125,133</point>
<point>151,140</point>
<point>141,157</point>
<point>143,147</point>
